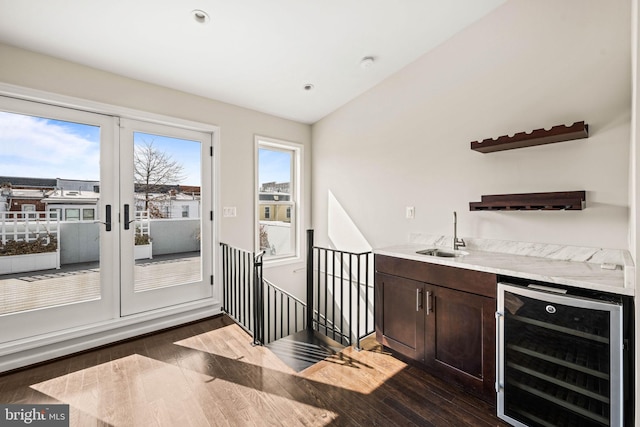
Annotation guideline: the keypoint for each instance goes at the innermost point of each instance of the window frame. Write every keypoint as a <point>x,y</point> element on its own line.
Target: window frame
<point>295,202</point>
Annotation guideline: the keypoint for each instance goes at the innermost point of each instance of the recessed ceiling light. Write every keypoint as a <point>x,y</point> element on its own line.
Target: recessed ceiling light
<point>308,87</point>
<point>200,16</point>
<point>367,62</point>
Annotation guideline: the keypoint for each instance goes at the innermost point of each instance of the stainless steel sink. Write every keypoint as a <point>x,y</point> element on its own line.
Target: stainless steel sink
<point>442,253</point>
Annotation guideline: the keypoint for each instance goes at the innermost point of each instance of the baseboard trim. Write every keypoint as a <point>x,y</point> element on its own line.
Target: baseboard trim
<point>25,353</point>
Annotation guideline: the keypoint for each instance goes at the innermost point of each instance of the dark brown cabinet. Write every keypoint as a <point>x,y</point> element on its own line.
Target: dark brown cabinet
<point>460,339</point>
<point>442,317</point>
<point>401,318</point>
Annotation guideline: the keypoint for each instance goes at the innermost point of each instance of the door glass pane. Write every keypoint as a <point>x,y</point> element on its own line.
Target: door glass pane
<point>167,221</point>
<point>47,167</point>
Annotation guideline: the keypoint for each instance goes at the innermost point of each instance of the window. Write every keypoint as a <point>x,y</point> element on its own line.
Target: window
<point>278,173</point>
<point>185,211</point>
<point>71,214</point>
<point>55,213</point>
<point>88,214</point>
<point>29,208</point>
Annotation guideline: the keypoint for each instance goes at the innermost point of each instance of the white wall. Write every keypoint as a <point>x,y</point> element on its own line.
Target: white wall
<point>238,126</point>
<point>525,66</point>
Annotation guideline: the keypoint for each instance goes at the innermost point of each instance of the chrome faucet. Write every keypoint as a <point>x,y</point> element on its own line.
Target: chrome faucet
<point>457,243</point>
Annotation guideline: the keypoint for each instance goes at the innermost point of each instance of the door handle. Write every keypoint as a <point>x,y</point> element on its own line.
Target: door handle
<point>127,222</point>
<point>107,219</point>
<point>418,299</point>
<point>428,296</point>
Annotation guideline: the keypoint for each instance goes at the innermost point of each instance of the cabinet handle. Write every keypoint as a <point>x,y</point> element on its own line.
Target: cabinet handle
<point>428,302</point>
<point>418,299</point>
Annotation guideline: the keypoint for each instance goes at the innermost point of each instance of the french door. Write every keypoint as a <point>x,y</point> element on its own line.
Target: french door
<point>55,161</point>
<point>165,191</point>
<point>86,235</point>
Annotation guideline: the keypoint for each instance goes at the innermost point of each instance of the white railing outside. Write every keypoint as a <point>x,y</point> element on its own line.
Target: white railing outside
<point>143,223</point>
<point>29,226</point>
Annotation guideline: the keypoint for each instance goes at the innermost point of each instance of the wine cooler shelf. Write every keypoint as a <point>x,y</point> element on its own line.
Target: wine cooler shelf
<point>571,356</point>
<point>578,403</point>
<point>536,413</point>
<point>580,331</point>
<point>580,382</point>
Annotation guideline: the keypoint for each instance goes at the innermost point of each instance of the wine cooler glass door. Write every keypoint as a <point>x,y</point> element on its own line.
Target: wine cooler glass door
<point>559,359</point>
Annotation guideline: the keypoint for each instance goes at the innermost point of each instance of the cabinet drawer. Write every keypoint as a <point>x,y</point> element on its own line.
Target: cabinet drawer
<point>475,282</point>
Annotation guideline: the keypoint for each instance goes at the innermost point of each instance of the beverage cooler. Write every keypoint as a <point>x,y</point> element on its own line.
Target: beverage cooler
<point>562,357</point>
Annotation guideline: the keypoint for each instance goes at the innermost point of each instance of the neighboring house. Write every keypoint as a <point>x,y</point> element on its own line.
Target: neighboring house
<point>275,210</point>
<point>24,194</point>
<point>170,201</point>
<point>74,200</point>
<point>78,185</point>
<point>77,200</point>
<point>22,200</point>
<point>274,202</point>
<point>73,205</point>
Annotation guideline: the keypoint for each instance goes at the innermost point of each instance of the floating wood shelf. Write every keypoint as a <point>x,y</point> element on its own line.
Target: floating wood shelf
<point>560,133</point>
<point>567,200</point>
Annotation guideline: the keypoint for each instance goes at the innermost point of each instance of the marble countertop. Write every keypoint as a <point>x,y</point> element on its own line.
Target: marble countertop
<point>586,275</point>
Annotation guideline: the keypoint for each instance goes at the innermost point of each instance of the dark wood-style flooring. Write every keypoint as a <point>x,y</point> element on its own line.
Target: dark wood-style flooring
<point>208,374</point>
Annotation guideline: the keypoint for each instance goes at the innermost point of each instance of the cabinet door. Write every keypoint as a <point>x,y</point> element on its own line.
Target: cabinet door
<point>399,315</point>
<point>460,338</point>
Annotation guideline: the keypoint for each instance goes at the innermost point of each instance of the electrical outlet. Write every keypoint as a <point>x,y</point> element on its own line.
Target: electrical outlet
<point>229,212</point>
<point>411,212</point>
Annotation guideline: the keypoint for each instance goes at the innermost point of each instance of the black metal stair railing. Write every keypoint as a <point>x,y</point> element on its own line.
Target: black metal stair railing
<point>264,310</point>
<point>284,313</point>
<point>241,273</point>
<point>338,291</point>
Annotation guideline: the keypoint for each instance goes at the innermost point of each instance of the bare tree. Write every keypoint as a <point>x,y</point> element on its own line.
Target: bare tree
<point>154,170</point>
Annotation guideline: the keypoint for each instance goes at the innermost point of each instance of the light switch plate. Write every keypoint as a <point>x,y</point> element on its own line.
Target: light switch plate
<point>411,212</point>
<point>229,212</point>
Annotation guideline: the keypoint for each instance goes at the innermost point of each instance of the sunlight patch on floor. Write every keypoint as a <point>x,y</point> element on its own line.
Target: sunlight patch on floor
<point>134,390</point>
<point>137,390</point>
<point>360,371</point>
<point>225,342</point>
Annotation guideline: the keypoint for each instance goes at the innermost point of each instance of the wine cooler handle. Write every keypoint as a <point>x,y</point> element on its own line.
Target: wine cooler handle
<point>499,358</point>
